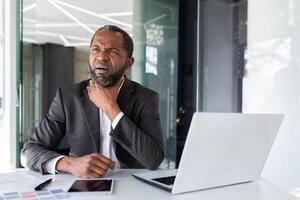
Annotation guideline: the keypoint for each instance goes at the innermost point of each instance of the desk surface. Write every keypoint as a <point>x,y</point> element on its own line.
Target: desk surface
<point>128,188</point>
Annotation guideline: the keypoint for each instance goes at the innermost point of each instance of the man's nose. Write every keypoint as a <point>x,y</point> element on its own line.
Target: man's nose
<point>102,56</point>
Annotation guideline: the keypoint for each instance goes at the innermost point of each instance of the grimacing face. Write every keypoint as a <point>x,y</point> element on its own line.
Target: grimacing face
<point>108,58</point>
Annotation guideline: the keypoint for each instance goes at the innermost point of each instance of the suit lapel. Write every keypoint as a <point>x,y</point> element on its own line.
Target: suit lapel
<point>92,119</point>
<point>125,96</point>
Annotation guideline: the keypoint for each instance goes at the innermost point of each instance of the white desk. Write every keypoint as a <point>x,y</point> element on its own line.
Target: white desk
<point>128,188</point>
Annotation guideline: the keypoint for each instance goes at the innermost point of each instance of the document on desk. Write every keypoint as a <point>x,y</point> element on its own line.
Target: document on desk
<point>18,181</point>
<point>21,184</point>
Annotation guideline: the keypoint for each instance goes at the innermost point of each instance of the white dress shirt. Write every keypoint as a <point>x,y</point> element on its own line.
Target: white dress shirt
<point>107,146</point>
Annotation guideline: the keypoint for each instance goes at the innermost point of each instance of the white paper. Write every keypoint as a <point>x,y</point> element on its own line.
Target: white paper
<point>18,181</point>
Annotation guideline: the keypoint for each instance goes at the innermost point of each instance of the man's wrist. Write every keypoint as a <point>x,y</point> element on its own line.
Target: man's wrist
<point>63,165</point>
<point>50,165</point>
<point>56,170</point>
<point>113,112</point>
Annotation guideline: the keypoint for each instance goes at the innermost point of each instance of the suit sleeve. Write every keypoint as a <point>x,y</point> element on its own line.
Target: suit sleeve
<point>46,137</point>
<point>144,140</point>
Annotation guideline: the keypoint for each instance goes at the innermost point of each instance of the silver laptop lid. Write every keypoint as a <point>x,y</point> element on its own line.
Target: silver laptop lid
<point>224,149</point>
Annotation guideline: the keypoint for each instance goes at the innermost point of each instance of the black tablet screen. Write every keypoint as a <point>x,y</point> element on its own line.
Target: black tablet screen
<point>91,186</point>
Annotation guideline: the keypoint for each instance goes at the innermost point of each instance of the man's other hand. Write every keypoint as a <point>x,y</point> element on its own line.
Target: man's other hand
<point>89,166</point>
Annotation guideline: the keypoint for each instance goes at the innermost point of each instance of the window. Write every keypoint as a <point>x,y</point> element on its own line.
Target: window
<point>1,57</point>
<point>272,82</point>
<point>9,21</point>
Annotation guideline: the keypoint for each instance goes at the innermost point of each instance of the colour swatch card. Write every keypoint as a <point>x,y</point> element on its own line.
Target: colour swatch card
<point>36,195</point>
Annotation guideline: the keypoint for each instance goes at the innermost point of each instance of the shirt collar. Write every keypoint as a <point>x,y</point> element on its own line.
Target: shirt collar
<point>121,83</point>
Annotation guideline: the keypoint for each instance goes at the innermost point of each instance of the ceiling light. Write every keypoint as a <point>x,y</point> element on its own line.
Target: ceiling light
<point>101,16</point>
<point>64,40</point>
<point>27,8</point>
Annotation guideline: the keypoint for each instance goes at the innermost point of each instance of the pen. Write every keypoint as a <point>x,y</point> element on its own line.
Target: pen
<point>43,184</point>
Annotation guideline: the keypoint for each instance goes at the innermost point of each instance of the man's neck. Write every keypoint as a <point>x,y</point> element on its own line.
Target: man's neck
<point>118,85</point>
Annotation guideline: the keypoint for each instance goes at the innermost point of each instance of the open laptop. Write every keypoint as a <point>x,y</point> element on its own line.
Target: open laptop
<point>220,149</point>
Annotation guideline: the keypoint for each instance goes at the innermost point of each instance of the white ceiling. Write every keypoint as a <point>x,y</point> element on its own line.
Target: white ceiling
<point>72,22</point>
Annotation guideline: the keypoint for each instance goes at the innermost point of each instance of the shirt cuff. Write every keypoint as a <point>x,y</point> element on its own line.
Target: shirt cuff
<point>116,120</point>
<point>23,160</point>
<point>50,165</point>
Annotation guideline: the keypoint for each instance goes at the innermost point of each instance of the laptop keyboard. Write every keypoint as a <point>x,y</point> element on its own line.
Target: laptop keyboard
<point>169,180</point>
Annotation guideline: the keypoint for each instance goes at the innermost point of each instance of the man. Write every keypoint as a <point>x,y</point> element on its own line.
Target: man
<point>109,120</point>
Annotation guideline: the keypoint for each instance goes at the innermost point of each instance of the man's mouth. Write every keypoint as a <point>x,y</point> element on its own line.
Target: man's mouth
<point>101,69</point>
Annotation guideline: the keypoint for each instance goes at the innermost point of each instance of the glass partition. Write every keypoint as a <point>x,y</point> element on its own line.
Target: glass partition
<point>155,34</point>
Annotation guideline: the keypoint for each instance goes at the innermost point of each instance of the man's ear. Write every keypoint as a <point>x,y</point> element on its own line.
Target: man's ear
<point>130,62</point>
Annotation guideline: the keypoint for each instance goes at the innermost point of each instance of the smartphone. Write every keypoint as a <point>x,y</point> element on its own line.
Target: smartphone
<point>92,185</point>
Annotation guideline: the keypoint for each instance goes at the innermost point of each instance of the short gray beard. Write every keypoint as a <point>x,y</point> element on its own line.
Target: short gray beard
<point>110,80</point>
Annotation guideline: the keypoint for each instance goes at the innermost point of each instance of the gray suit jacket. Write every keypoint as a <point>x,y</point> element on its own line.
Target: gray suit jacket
<point>137,136</point>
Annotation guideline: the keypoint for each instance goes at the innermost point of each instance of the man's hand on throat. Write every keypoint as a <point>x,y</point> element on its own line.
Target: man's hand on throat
<point>105,98</point>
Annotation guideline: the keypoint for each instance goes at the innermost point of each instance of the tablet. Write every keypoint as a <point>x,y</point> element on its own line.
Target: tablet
<point>92,185</point>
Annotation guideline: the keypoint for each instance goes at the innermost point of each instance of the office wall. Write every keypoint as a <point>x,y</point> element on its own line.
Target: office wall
<point>33,82</point>
<point>58,69</point>
<point>81,65</point>
<point>272,81</point>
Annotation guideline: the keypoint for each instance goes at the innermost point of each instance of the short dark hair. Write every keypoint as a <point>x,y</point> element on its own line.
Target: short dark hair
<point>128,43</point>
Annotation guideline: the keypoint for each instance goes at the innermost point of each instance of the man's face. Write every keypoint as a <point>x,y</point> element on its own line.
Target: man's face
<point>108,58</point>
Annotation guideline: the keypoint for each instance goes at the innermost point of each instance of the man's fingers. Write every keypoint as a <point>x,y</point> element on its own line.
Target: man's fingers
<point>103,158</point>
<point>108,162</point>
<point>100,171</point>
<point>92,82</point>
<point>103,161</point>
<point>91,174</point>
<point>113,164</point>
<point>96,168</point>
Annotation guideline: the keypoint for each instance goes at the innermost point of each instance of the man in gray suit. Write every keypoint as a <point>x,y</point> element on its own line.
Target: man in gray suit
<point>110,121</point>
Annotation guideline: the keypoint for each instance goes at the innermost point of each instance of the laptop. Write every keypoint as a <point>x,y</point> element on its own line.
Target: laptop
<point>221,149</point>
